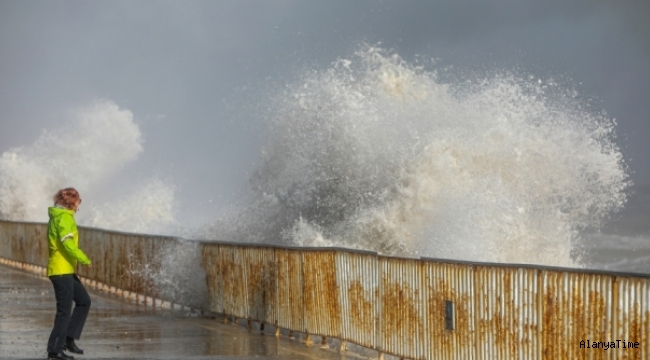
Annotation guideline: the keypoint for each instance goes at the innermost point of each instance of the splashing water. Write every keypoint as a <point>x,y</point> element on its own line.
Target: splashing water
<point>148,209</point>
<point>378,154</point>
<point>89,148</point>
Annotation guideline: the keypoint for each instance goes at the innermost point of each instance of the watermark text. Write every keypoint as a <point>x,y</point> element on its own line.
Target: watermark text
<point>605,345</point>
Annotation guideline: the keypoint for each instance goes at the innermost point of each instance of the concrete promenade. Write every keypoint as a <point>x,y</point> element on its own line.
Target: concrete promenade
<point>116,329</point>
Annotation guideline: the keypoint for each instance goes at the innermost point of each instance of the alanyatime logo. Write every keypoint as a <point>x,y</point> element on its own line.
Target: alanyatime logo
<point>618,344</point>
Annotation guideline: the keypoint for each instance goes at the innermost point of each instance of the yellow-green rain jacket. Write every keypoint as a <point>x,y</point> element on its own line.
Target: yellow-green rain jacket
<point>63,239</point>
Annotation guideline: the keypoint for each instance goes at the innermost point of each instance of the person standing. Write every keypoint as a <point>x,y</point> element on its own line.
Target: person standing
<point>64,254</point>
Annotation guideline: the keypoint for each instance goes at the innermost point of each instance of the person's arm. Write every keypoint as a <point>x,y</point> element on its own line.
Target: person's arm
<point>74,251</point>
<point>67,228</point>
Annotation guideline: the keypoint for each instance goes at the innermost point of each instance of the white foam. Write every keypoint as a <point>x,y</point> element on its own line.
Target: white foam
<point>148,209</point>
<point>378,154</point>
<point>85,150</point>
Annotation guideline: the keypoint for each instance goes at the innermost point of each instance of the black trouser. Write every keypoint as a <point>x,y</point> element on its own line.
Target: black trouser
<point>68,288</point>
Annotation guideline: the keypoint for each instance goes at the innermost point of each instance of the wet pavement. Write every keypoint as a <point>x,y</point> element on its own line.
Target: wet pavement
<point>116,329</point>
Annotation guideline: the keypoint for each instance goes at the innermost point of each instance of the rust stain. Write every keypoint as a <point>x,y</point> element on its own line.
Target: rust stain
<point>551,331</point>
<point>596,311</point>
<point>260,293</point>
<point>634,323</point>
<point>436,314</point>
<point>361,309</point>
<point>16,242</point>
<point>254,285</point>
<point>296,289</point>
<point>135,264</point>
<point>444,286</point>
<point>494,305</point>
<point>124,271</point>
<point>281,262</point>
<point>217,281</point>
<point>571,318</point>
<point>635,331</point>
<point>578,316</point>
<point>223,274</point>
<point>271,286</point>
<point>399,312</point>
<point>505,321</point>
<point>500,301</point>
<point>107,261</point>
<point>290,291</point>
<point>644,333</point>
<point>207,256</point>
<point>237,285</point>
<point>322,305</point>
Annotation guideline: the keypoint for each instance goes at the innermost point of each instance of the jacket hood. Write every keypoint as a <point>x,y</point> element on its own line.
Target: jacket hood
<point>55,211</point>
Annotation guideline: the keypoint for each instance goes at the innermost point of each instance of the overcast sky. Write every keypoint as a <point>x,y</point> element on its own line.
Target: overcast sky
<point>193,72</point>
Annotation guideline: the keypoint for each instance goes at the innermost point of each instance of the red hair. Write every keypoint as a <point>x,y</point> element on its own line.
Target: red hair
<point>67,197</point>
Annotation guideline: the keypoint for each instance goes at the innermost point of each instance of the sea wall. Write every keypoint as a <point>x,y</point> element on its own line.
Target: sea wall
<point>411,308</point>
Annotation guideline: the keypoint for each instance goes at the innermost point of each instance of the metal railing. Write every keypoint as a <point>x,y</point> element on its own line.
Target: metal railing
<point>411,308</point>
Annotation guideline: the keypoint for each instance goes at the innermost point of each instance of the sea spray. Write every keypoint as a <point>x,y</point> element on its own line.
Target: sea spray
<point>376,153</point>
<point>177,274</point>
<point>147,209</point>
<point>83,151</point>
<point>91,145</point>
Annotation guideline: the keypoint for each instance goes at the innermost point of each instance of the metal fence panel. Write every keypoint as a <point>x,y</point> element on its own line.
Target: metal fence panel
<point>124,273</point>
<point>507,315</point>
<point>290,289</point>
<point>6,249</point>
<point>234,288</point>
<point>321,291</point>
<point>239,292</point>
<point>260,284</point>
<point>128,261</point>
<point>35,245</point>
<point>214,277</point>
<point>359,290</point>
<point>454,283</point>
<point>575,308</point>
<point>402,307</point>
<point>632,314</point>
<point>16,244</point>
<point>24,242</point>
<point>397,306</point>
<point>590,313</point>
<point>109,249</point>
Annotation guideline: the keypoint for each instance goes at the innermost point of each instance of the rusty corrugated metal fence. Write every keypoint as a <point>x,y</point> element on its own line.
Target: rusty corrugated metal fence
<point>411,308</point>
<point>124,263</point>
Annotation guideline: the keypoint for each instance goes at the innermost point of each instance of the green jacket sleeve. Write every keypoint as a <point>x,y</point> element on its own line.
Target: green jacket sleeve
<point>75,252</point>
<point>67,234</point>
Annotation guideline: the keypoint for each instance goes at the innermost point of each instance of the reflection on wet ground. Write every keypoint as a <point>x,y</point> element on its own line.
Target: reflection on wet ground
<point>119,330</point>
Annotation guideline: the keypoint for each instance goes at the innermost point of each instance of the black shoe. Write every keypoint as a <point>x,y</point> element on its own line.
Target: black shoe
<point>72,347</point>
<point>59,356</point>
